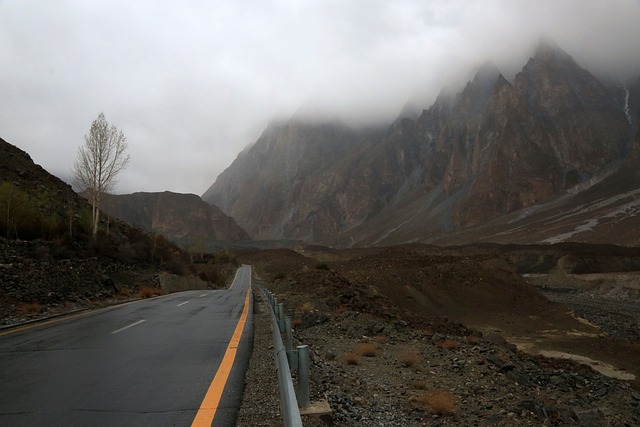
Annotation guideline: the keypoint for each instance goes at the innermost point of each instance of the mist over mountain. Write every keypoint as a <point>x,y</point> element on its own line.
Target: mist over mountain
<point>496,147</point>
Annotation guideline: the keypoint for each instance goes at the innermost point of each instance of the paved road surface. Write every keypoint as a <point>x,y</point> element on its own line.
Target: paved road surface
<point>148,363</point>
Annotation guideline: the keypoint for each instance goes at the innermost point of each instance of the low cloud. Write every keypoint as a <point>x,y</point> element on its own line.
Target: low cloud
<point>193,82</point>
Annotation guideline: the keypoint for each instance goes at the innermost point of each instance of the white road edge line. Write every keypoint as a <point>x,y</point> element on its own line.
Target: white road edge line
<point>183,303</point>
<point>235,277</point>
<point>203,295</point>
<point>127,327</point>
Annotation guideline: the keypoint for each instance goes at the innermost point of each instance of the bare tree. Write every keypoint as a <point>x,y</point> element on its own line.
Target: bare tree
<point>102,157</point>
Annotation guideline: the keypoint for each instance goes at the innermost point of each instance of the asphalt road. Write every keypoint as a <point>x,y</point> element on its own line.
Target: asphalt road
<point>147,363</point>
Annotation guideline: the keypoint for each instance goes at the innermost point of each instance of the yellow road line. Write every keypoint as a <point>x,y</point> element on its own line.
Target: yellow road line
<point>209,404</point>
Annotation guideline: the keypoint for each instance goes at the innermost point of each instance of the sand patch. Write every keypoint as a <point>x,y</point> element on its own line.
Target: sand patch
<point>603,368</point>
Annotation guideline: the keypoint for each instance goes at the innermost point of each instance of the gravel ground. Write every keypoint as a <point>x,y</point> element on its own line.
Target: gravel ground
<point>260,406</point>
<point>620,320</point>
<point>420,377</point>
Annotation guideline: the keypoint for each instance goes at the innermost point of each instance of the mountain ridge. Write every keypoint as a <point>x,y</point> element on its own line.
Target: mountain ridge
<point>182,218</point>
<point>492,149</point>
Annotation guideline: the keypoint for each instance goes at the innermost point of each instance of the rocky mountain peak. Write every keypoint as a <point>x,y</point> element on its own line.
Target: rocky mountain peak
<point>478,92</point>
<point>548,49</point>
<point>493,148</point>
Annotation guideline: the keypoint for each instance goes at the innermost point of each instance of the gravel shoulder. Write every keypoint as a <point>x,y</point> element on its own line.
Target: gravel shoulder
<point>379,365</point>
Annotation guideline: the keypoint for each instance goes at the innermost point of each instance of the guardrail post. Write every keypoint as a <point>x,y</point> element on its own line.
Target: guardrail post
<point>280,313</point>
<point>303,375</point>
<point>288,338</point>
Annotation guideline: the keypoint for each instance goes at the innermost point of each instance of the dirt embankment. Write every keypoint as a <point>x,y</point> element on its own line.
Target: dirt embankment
<point>39,279</point>
<point>456,309</point>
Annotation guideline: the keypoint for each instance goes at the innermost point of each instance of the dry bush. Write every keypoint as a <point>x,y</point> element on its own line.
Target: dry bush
<point>439,402</point>
<point>409,358</point>
<point>449,344</point>
<point>352,358</point>
<point>296,322</point>
<point>30,308</point>
<point>123,294</point>
<point>149,292</point>
<point>307,307</point>
<point>367,349</point>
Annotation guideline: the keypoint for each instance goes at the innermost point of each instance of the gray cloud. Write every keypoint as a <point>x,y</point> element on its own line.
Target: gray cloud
<point>193,82</point>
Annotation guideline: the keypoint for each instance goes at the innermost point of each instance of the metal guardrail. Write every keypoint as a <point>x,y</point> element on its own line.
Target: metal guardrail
<point>289,404</point>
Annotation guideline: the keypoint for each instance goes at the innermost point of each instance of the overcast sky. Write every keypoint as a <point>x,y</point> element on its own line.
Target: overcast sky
<point>193,82</point>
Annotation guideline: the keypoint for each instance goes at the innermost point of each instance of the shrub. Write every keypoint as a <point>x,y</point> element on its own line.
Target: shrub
<point>408,358</point>
<point>352,358</point>
<point>307,307</point>
<point>149,292</point>
<point>439,402</point>
<point>124,292</point>
<point>449,344</point>
<point>367,349</point>
<point>31,308</point>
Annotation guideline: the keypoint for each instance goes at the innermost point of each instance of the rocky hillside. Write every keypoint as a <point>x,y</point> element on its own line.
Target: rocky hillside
<point>50,262</point>
<point>33,202</point>
<point>496,151</point>
<point>182,218</point>
<point>389,329</point>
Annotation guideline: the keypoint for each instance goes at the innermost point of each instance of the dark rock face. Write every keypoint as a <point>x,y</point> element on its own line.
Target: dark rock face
<point>176,216</point>
<point>492,149</point>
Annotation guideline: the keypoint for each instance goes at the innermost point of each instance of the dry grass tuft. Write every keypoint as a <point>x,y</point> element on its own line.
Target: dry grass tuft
<point>439,402</point>
<point>409,358</point>
<point>449,344</point>
<point>352,358</point>
<point>123,294</point>
<point>296,322</point>
<point>149,292</point>
<point>367,349</point>
<point>31,308</point>
<point>307,307</point>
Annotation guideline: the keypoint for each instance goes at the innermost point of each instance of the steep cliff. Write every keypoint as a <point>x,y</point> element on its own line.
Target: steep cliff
<point>495,148</point>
